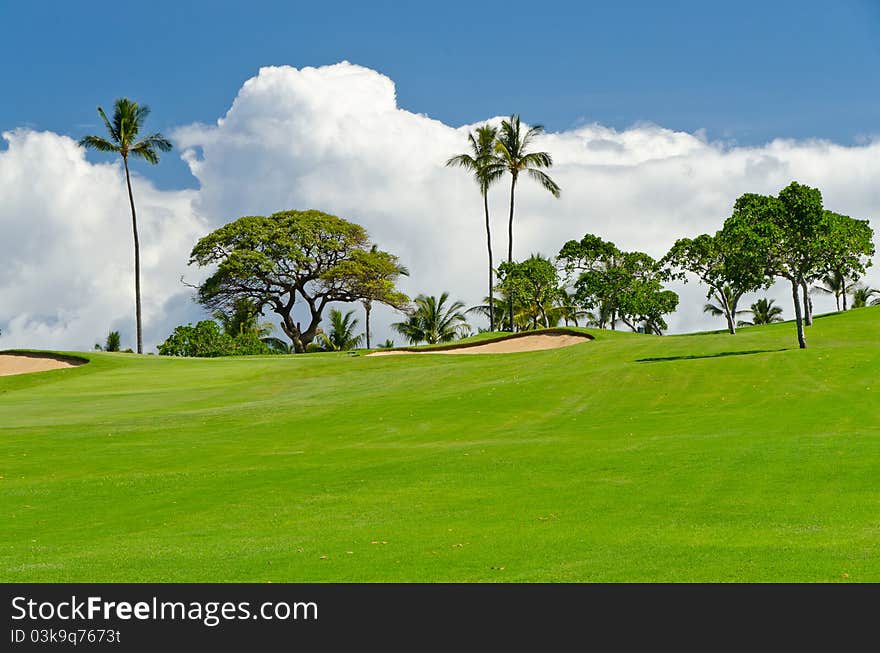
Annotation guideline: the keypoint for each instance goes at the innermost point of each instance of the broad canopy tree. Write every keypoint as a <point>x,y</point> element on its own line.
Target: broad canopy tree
<point>532,284</point>
<point>716,262</point>
<point>295,256</point>
<point>793,237</point>
<point>617,285</point>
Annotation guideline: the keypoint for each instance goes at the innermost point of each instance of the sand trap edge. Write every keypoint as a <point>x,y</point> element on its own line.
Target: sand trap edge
<point>68,360</point>
<point>471,345</point>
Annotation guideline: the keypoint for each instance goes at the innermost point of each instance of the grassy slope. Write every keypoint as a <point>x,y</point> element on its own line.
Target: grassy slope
<point>578,464</point>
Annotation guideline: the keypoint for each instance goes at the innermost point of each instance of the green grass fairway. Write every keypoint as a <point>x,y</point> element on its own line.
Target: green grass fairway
<point>629,458</point>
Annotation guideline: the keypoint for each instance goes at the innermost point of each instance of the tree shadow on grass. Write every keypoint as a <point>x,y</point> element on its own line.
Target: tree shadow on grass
<point>718,355</point>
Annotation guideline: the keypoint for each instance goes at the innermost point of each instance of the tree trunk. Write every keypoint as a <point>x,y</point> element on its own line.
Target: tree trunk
<point>510,248</point>
<point>802,341</point>
<point>489,247</point>
<point>844,294</point>
<point>291,330</point>
<point>137,261</point>
<point>367,307</point>
<point>808,304</point>
<point>837,300</point>
<point>729,311</point>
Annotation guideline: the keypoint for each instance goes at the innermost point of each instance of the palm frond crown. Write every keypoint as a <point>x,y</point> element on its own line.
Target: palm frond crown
<point>123,129</point>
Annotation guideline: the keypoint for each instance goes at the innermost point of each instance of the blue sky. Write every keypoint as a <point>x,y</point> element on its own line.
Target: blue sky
<point>746,71</point>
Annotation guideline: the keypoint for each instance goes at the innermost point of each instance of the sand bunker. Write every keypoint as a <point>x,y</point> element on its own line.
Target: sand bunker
<point>25,363</point>
<point>508,345</point>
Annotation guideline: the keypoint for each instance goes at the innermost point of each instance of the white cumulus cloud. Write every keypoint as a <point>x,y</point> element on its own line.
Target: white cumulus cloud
<point>333,138</point>
<point>66,246</point>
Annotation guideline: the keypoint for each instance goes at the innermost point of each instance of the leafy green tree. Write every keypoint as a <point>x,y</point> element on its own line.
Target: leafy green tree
<point>208,340</point>
<point>433,321</point>
<point>292,256</point>
<point>123,131</point>
<point>846,251</point>
<point>388,344</point>
<point>763,312</point>
<point>112,343</point>
<point>793,237</point>
<point>379,286</point>
<point>782,236</point>
<point>714,261</point>
<point>591,264</point>
<point>514,157</point>
<point>533,284</point>
<point>341,336</point>
<point>483,162</point>
<point>615,285</point>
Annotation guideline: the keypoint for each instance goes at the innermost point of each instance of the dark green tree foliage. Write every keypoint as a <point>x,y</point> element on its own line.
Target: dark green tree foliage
<point>113,341</point>
<point>616,285</point>
<point>847,252</point>
<point>242,317</point>
<point>533,285</point>
<point>341,336</point>
<point>292,256</point>
<point>208,340</point>
<point>715,262</point>
<point>377,283</point>
<point>123,130</point>
<point>433,320</point>
<point>793,237</point>
<point>763,312</point>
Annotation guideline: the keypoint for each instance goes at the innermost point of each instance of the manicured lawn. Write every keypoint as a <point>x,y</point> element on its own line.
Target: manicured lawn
<point>629,458</point>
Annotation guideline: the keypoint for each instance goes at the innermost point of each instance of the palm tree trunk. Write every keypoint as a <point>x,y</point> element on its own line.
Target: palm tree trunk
<point>367,307</point>
<point>802,341</point>
<point>137,261</point>
<point>808,305</point>
<point>489,246</point>
<point>510,247</point>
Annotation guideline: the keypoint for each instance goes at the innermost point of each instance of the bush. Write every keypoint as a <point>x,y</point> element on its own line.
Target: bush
<point>113,341</point>
<point>207,340</point>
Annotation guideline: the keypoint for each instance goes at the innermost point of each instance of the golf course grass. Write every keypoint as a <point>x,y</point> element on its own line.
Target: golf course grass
<point>703,457</point>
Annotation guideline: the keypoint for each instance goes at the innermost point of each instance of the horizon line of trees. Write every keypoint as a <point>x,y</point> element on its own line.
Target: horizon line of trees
<point>313,259</point>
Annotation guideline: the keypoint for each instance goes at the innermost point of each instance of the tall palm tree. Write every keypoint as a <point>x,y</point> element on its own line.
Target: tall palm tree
<point>433,321</point>
<point>341,336</point>
<point>834,284</point>
<point>862,295</point>
<point>513,156</point>
<point>128,119</point>
<point>763,312</point>
<point>480,162</point>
